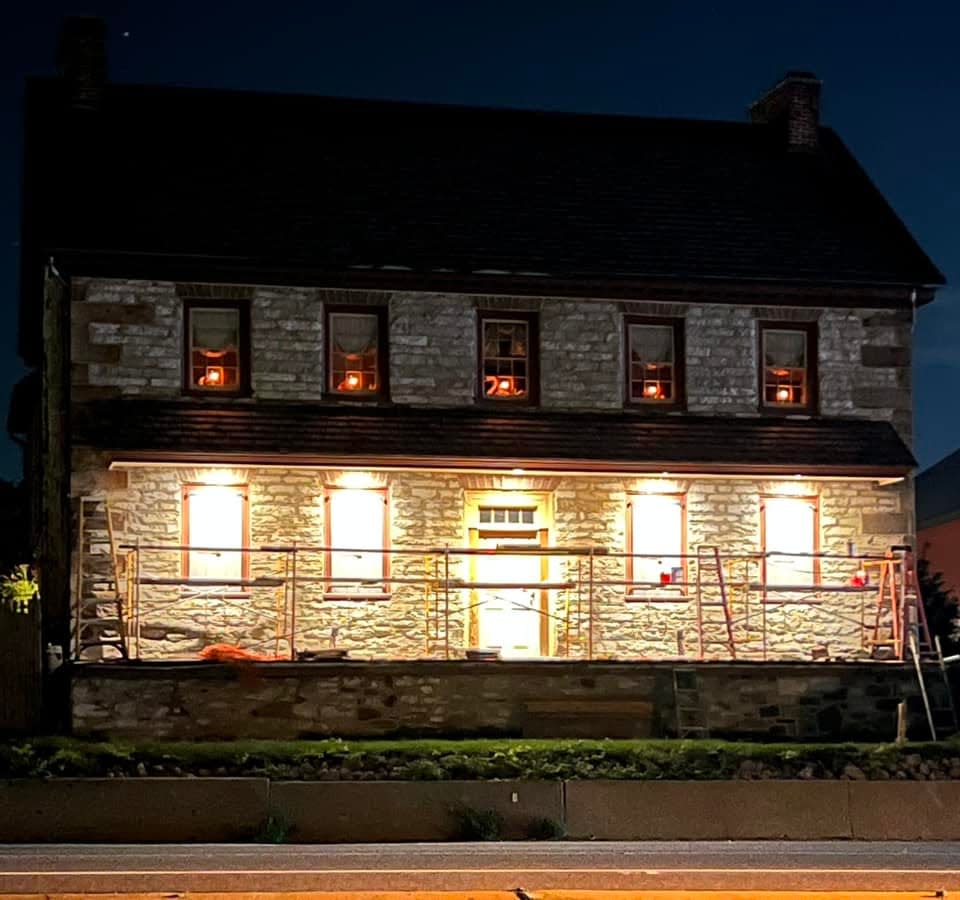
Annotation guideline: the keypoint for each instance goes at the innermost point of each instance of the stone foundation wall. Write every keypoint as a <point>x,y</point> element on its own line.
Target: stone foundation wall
<point>427,510</point>
<point>127,338</point>
<point>285,700</point>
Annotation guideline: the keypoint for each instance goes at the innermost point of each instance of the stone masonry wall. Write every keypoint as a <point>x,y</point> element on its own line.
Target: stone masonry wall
<point>127,338</point>
<point>357,699</point>
<point>427,511</point>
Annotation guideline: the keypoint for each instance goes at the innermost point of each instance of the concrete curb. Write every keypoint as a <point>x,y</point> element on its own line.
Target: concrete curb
<point>117,810</point>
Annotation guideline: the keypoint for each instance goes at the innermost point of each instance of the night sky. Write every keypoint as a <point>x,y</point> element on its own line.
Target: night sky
<point>891,89</point>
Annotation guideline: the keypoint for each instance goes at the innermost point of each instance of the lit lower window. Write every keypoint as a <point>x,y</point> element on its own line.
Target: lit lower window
<point>506,365</point>
<point>656,532</point>
<point>785,367</point>
<point>354,353</point>
<point>789,540</point>
<point>652,363</point>
<point>214,336</point>
<point>356,529</point>
<point>215,521</point>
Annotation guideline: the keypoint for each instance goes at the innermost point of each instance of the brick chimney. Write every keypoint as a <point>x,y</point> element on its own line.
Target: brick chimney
<point>82,59</point>
<point>793,104</point>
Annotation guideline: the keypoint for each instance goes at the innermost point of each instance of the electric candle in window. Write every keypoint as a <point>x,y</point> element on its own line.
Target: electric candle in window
<point>505,358</point>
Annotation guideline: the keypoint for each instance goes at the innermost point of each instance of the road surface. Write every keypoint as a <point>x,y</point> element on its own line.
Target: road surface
<point>740,866</point>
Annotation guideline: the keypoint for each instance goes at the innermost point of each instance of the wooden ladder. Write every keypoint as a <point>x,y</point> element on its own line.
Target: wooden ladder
<point>710,557</point>
<point>98,613</point>
<point>900,611</point>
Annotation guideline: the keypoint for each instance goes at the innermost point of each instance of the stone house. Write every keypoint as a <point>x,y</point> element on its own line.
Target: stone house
<point>593,394</point>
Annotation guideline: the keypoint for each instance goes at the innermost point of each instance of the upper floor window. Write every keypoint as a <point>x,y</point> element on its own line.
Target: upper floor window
<point>654,361</point>
<point>508,357</point>
<point>788,367</point>
<point>217,351</point>
<point>356,352</point>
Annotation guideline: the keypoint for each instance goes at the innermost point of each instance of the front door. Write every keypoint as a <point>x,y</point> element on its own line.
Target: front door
<point>509,617</point>
<point>509,603</point>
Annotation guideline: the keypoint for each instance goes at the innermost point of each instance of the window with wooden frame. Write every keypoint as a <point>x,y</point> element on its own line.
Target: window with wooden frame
<point>216,526</point>
<point>788,367</point>
<point>657,532</point>
<point>357,530</point>
<point>789,540</point>
<point>356,352</point>
<point>508,365</point>
<point>654,358</point>
<point>216,347</point>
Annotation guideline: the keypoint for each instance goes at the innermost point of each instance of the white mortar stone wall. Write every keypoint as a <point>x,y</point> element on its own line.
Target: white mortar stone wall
<point>127,338</point>
<point>427,510</point>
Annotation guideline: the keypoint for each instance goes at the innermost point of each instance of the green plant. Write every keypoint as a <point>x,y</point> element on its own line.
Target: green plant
<point>546,829</point>
<point>275,830</point>
<point>941,607</point>
<point>478,824</point>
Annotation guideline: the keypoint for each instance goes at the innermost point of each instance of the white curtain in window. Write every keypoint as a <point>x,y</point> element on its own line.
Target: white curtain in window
<point>785,348</point>
<point>651,343</point>
<point>215,329</point>
<point>216,520</point>
<point>657,528</point>
<point>357,523</point>
<point>789,528</point>
<point>353,334</point>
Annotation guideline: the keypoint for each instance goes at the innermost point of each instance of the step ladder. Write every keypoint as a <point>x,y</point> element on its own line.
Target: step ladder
<point>938,703</point>
<point>707,558</point>
<point>899,610</point>
<point>688,704</point>
<point>98,612</point>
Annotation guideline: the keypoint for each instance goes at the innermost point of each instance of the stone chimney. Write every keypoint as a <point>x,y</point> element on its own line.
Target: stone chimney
<point>82,60</point>
<point>793,104</point>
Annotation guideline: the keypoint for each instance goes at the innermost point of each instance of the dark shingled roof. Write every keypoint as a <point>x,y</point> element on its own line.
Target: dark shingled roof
<point>273,432</point>
<point>321,184</point>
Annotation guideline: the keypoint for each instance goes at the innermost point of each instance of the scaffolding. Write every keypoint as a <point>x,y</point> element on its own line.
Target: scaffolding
<point>725,598</point>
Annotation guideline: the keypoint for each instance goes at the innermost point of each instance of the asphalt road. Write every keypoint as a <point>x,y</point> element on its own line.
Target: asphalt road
<point>737,866</point>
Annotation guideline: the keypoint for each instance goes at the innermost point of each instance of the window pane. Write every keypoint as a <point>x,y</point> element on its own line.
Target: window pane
<point>354,340</point>
<point>652,363</point>
<point>657,529</point>
<point>215,520</point>
<point>789,525</point>
<point>505,355</point>
<point>357,524</point>
<point>785,367</point>
<point>214,348</point>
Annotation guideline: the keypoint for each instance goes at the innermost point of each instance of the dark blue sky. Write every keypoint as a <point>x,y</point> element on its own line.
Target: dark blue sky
<point>891,89</point>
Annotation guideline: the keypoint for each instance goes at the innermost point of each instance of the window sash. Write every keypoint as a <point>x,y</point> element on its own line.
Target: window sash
<point>214,335</point>
<point>652,370</point>
<point>656,527</point>
<point>506,359</point>
<point>786,364</point>
<point>353,353</point>
<point>356,522</point>
<point>215,516</point>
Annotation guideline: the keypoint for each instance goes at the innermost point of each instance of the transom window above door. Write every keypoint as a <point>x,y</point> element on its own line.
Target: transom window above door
<point>503,515</point>
<point>654,362</point>
<point>508,359</point>
<point>356,352</point>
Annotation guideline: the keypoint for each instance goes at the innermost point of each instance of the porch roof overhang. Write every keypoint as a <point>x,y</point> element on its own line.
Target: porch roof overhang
<point>137,430</point>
